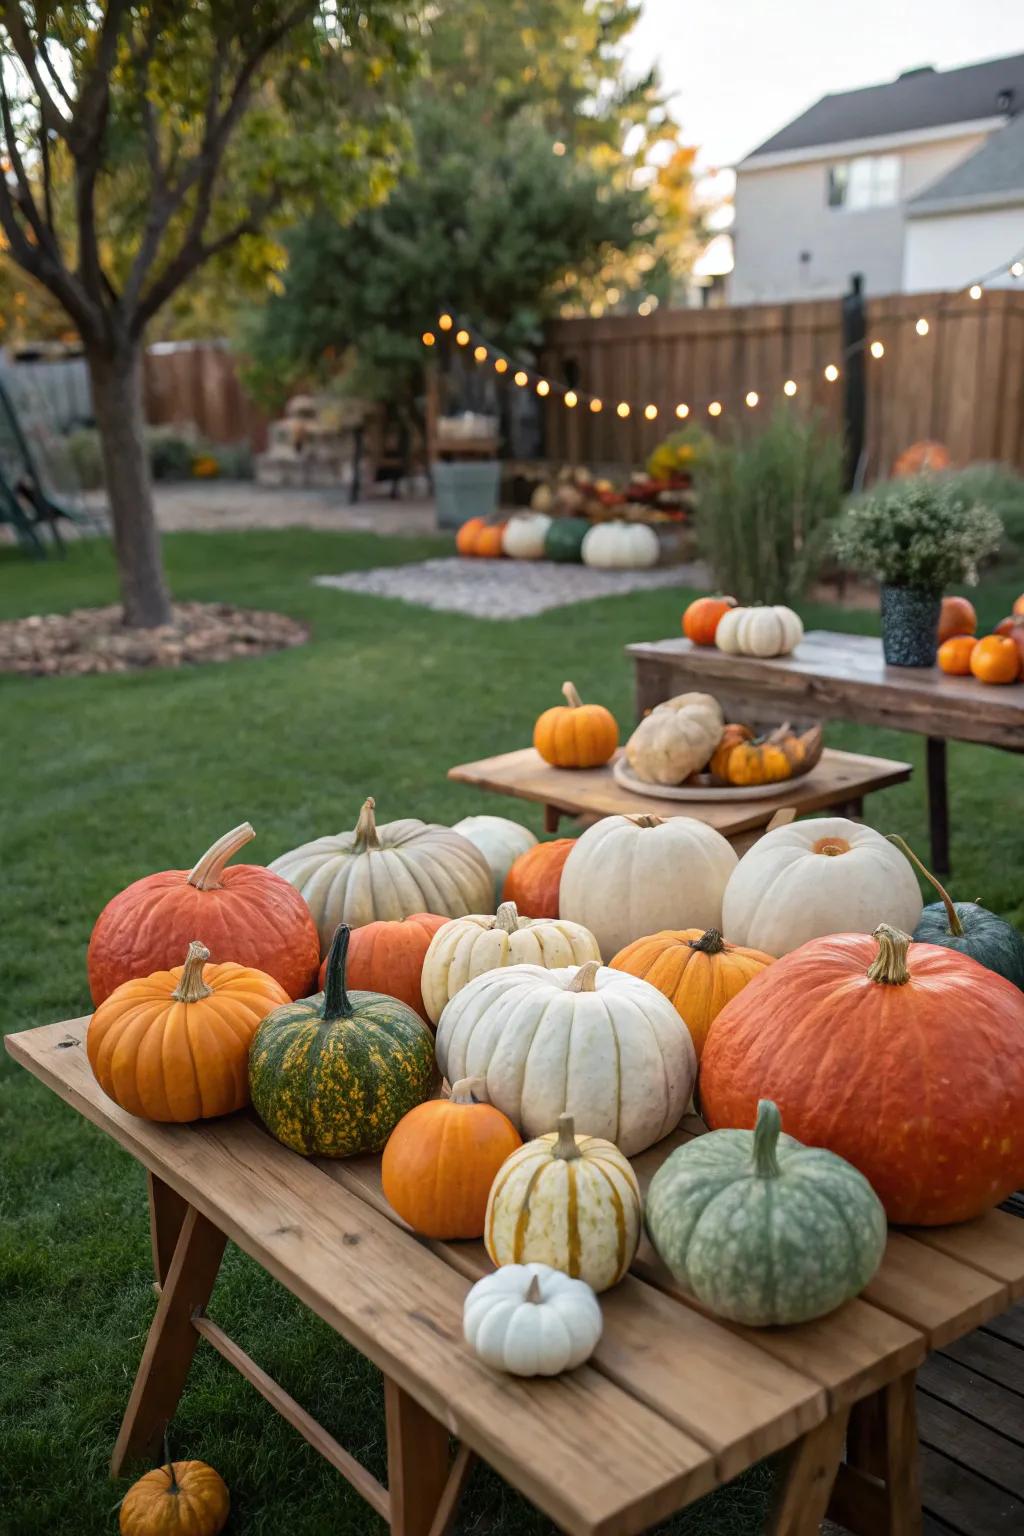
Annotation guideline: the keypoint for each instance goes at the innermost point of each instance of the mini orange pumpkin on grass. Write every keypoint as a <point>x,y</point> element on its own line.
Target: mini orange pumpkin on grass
<point>479,537</point>
<point>996,659</point>
<point>697,970</point>
<point>574,734</point>
<point>181,1498</point>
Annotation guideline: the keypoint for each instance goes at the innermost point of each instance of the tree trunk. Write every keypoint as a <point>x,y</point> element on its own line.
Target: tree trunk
<point>116,378</point>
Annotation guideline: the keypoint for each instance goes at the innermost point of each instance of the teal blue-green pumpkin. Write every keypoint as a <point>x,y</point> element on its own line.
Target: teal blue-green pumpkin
<point>762,1229</point>
<point>332,1075</point>
<point>968,927</point>
<point>564,539</point>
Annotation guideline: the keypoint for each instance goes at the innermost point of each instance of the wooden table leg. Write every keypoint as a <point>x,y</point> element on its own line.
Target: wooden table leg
<point>171,1341</point>
<point>938,804</point>
<point>878,1490</point>
<point>806,1480</point>
<point>417,1463</point>
<point>167,1212</point>
<point>552,816</point>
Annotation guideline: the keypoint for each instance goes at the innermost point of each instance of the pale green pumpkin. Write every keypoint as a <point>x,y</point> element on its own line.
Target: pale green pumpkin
<point>762,1229</point>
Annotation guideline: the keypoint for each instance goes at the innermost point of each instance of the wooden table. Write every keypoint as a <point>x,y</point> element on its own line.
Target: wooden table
<point>839,782</point>
<point>672,1404</point>
<point>843,677</point>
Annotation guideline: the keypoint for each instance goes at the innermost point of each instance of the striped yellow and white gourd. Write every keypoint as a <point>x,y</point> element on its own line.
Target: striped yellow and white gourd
<point>569,1201</point>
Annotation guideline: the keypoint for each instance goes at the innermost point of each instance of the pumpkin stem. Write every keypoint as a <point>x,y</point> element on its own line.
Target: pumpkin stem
<point>565,1147</point>
<point>890,964</point>
<point>709,943</point>
<point>570,695</point>
<point>205,875</point>
<point>507,917</point>
<point>336,1004</point>
<point>766,1139</point>
<point>366,827</point>
<point>646,821</point>
<point>583,981</point>
<point>168,1463</point>
<point>468,1090</point>
<point>533,1290</point>
<point>956,927</point>
<point>192,988</point>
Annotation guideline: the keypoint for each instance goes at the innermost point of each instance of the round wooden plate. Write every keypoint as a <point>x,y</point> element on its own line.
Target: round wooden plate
<point>625,776</point>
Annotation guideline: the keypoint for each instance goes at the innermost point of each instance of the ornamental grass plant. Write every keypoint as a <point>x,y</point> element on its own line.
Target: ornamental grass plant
<point>925,533</point>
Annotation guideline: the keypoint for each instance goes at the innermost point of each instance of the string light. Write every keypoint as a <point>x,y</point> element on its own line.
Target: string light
<point>570,398</point>
<point>622,409</point>
<point>522,378</point>
<point>462,337</point>
<point>877,349</point>
<point>831,373</point>
<point>975,290</point>
<point>1017,269</point>
<point>715,408</point>
<point>558,148</point>
<point>752,397</point>
<point>480,353</point>
<point>789,388</point>
<point>428,338</point>
<point>922,327</point>
<point>543,387</point>
<point>644,308</point>
<point>500,365</point>
<point>651,412</point>
<point>445,322</point>
<point>596,406</point>
<point>682,410</point>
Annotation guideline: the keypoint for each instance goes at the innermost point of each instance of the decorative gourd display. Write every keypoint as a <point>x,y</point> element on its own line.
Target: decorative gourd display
<point>906,1059</point>
<point>181,1498</point>
<point>387,872</point>
<point>535,878</point>
<point>620,546</point>
<point>469,946</point>
<point>175,1045</point>
<point>996,659</point>
<point>246,914</point>
<point>478,536</point>
<point>698,971</point>
<point>762,1229</point>
<point>956,617</point>
<point>954,655</point>
<point>574,734</point>
<point>700,621</point>
<point>524,535</point>
<point>603,1046</point>
<point>531,1320</point>
<point>676,739</point>
<point>388,957</point>
<point>628,876</point>
<point>769,631</point>
<point>441,1160</point>
<point>968,927</point>
<point>783,754</point>
<point>333,1074</point>
<point>568,1200</point>
<point>815,877</point>
<point>500,840</point>
<point>564,539</point>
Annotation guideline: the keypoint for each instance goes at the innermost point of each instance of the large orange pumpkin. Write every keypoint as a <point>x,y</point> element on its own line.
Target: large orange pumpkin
<point>533,881</point>
<point>956,617</point>
<point>698,971</point>
<point>175,1045</point>
<point>954,655</point>
<point>921,458</point>
<point>245,914</point>
<point>906,1059</point>
<point>388,957</point>
<point>441,1160</point>
<point>701,618</point>
<point>996,659</point>
<point>480,537</point>
<point>574,734</point>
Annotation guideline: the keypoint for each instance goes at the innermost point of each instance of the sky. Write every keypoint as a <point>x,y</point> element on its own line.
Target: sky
<point>740,69</point>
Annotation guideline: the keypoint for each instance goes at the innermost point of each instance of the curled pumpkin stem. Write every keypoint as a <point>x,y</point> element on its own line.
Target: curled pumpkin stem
<point>890,964</point>
<point>570,695</point>
<point>586,977</point>
<point>366,826</point>
<point>709,943</point>
<point>956,927</point>
<point>192,988</point>
<point>206,872</point>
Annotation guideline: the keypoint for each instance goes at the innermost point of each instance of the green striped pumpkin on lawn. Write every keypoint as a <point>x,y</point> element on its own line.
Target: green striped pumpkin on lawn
<point>332,1075</point>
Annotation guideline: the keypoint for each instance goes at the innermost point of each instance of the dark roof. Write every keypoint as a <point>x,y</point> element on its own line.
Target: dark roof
<point>994,170</point>
<point>919,99</point>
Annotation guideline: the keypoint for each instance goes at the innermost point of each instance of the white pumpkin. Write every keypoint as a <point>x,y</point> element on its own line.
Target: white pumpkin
<point>676,739</point>
<point>387,872</point>
<point>569,1201</point>
<point>500,841</point>
<point>524,535</point>
<point>628,876</point>
<point>473,945</point>
<point>531,1320</point>
<point>769,631</point>
<point>817,877</point>
<point>601,1045</point>
<point>621,546</point>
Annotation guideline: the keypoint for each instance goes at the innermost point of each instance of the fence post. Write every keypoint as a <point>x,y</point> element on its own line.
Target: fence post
<point>854,334</point>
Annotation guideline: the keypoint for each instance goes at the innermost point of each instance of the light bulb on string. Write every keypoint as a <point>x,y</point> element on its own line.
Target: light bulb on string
<point>596,406</point>
<point>428,338</point>
<point>751,398</point>
<point>543,387</point>
<point>975,290</point>
<point>651,412</point>
<point>715,408</point>
<point>480,353</point>
<point>521,378</point>
<point>877,349</point>
<point>682,410</point>
<point>462,337</point>
<point>789,388</point>
<point>445,322</point>
<point>622,409</point>
<point>831,372</point>
<point>922,327</point>
<point>500,365</point>
<point>570,398</point>
<point>1017,269</point>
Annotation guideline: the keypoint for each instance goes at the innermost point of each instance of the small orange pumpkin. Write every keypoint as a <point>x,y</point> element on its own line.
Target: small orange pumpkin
<point>745,760</point>
<point>954,655</point>
<point>535,876</point>
<point>921,458</point>
<point>480,537</point>
<point>388,957</point>
<point>574,734</point>
<point>441,1160</point>
<point>957,617</point>
<point>699,972</point>
<point>181,1498</point>
<point>995,659</point>
<point>701,618</point>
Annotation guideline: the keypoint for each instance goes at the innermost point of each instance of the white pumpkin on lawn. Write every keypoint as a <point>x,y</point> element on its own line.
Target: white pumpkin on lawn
<point>818,877</point>
<point>628,876</point>
<point>601,1045</point>
<point>387,873</point>
<point>768,631</point>
<point>500,840</point>
<point>524,535</point>
<point>569,1201</point>
<point>620,546</point>
<point>473,945</point>
<point>676,739</point>
<point>531,1320</point>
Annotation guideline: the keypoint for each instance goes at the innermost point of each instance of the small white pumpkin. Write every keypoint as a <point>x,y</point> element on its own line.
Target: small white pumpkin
<point>500,840</point>
<point>531,1320</point>
<point>569,1201</point>
<point>769,631</point>
<point>472,945</point>
<point>525,532</point>
<point>621,546</point>
<point>676,739</point>
<point>599,1044</point>
<point>818,877</point>
<point>628,876</point>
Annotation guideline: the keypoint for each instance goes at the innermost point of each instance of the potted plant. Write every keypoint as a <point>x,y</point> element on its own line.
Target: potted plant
<point>916,536</point>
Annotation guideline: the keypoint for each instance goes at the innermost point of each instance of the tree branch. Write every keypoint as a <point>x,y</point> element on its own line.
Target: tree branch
<point>13,19</point>
<point>25,200</point>
<point>192,255</point>
<point>38,263</point>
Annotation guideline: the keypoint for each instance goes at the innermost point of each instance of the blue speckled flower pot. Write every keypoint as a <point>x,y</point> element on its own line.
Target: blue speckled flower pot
<point>910,622</point>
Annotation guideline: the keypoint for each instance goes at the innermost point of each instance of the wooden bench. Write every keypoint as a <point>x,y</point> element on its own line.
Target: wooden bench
<point>672,1404</point>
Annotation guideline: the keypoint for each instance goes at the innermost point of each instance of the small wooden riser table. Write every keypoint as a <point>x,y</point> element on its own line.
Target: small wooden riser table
<point>693,1402</point>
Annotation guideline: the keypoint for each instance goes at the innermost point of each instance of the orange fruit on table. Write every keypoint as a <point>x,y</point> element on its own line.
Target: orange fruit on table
<point>701,618</point>
<point>1018,606</point>
<point>533,881</point>
<point>955,655</point>
<point>996,659</point>
<point>957,618</point>
<point>574,734</point>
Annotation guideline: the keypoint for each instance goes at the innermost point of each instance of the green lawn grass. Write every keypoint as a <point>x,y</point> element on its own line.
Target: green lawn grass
<point>108,778</point>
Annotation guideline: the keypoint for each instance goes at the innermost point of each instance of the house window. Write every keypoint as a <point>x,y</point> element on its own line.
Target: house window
<point>868,181</point>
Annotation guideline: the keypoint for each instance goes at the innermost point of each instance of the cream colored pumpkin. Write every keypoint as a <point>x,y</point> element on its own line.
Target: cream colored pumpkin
<point>769,631</point>
<point>524,535</point>
<point>473,945</point>
<point>500,840</point>
<point>620,546</point>
<point>386,873</point>
<point>676,739</point>
<point>628,876</point>
<point>818,877</point>
<point>599,1044</point>
<point>569,1201</point>
<point>531,1320</point>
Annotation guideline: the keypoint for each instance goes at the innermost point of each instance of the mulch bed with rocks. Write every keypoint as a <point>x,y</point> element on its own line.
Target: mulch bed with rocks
<point>95,639</point>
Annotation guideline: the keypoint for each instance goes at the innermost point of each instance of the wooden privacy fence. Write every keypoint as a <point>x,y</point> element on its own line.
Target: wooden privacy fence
<point>197,383</point>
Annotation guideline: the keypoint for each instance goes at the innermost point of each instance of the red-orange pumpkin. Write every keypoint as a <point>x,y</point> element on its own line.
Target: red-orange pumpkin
<point>533,881</point>
<point>701,618</point>
<point>957,617</point>
<point>906,1059</point>
<point>388,957</point>
<point>245,914</point>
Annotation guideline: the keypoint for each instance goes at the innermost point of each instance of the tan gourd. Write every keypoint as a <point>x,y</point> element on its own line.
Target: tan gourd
<point>676,739</point>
